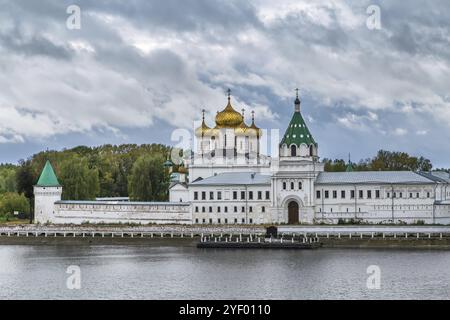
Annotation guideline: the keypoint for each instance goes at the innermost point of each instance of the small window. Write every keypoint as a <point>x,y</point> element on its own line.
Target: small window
<point>263,209</point>
<point>342,194</point>
<point>361,194</point>
<point>243,220</point>
<point>218,220</point>
<point>234,195</point>
<point>225,209</point>
<point>196,220</point>
<point>300,186</point>
<point>267,195</point>
<point>334,194</point>
<point>284,185</point>
<point>235,220</point>
<point>327,195</point>
<point>211,195</point>
<point>259,195</point>
<point>210,209</point>
<point>219,195</point>
<point>226,221</point>
<point>203,209</point>
<point>243,209</point>
<point>218,209</point>
<point>352,194</point>
<point>196,209</point>
<point>242,195</point>
<point>250,209</point>
<point>250,195</point>
<point>292,185</point>
<point>377,194</point>
<point>204,220</point>
<point>369,194</point>
<point>318,194</point>
<point>203,195</point>
<point>235,209</point>
<point>428,195</point>
<point>210,221</point>
<point>251,220</point>
<point>293,151</point>
<point>195,195</point>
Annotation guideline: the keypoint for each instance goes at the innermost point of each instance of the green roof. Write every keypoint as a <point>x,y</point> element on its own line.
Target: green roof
<point>349,167</point>
<point>297,132</point>
<point>48,177</point>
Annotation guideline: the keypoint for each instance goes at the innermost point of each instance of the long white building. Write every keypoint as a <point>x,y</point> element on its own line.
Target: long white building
<point>228,180</point>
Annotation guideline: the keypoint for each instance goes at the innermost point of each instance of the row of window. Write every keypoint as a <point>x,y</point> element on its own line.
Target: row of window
<point>218,195</point>
<point>225,221</point>
<point>369,194</point>
<point>292,185</point>
<point>422,207</point>
<point>225,209</point>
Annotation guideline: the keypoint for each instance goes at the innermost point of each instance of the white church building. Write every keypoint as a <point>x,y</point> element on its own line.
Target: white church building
<point>228,180</point>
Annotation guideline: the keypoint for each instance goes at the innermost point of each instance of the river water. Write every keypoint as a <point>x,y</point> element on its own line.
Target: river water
<point>182,272</point>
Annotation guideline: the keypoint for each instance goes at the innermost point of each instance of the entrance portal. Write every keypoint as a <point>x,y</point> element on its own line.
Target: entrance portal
<point>293,212</point>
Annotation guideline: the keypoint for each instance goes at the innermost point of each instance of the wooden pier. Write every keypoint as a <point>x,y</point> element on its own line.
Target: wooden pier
<point>259,243</point>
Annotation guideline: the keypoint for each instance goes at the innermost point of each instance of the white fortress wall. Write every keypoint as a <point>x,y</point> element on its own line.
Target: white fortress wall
<point>79,212</point>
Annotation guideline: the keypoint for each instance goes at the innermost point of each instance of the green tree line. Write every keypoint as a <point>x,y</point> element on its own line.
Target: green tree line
<point>383,161</point>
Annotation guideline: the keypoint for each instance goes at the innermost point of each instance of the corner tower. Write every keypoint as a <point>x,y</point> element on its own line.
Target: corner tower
<point>47,191</point>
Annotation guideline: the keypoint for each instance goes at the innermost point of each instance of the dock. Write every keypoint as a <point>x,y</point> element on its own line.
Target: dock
<point>259,243</point>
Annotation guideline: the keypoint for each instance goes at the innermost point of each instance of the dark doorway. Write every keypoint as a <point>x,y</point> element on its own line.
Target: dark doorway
<point>293,212</point>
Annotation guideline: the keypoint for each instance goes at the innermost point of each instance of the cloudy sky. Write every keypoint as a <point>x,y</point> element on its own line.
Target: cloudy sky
<point>136,70</point>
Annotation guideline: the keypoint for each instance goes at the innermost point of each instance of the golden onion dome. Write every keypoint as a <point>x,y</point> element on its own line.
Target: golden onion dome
<point>254,130</point>
<point>203,130</point>
<point>242,129</point>
<point>228,118</point>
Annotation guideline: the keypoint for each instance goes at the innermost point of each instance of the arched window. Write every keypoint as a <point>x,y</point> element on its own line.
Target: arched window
<point>293,150</point>
<point>299,186</point>
<point>284,185</point>
<point>311,150</point>
<point>292,185</point>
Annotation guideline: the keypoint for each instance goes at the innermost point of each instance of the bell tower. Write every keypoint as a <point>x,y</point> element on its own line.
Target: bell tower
<point>294,177</point>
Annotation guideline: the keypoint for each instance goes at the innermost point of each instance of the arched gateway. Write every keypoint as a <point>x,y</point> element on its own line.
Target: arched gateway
<point>293,212</point>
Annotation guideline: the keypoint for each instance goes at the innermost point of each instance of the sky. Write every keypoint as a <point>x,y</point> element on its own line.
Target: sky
<point>136,70</point>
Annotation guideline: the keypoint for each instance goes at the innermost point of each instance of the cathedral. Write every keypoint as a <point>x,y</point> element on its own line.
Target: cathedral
<point>229,180</point>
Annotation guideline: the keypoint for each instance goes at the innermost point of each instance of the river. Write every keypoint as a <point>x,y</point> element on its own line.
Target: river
<point>168,271</point>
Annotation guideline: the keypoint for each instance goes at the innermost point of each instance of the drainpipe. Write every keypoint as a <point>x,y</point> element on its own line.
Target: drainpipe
<point>323,205</point>
<point>246,204</point>
<point>434,206</point>
<point>392,197</point>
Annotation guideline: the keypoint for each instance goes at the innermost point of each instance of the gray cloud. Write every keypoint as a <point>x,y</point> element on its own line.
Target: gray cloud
<point>149,64</point>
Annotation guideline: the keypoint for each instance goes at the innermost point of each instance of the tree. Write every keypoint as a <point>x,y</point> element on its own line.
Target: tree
<point>11,202</point>
<point>8,178</point>
<point>149,180</point>
<point>78,180</point>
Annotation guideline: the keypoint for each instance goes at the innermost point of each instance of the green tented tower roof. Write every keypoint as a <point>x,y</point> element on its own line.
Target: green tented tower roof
<point>349,167</point>
<point>297,132</point>
<point>48,177</point>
